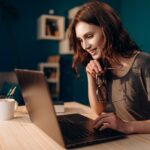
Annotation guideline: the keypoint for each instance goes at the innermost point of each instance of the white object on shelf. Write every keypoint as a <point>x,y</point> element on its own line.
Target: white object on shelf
<point>72,12</point>
<point>64,45</point>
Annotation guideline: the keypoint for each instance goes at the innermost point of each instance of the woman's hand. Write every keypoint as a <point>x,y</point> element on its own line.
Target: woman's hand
<point>110,120</point>
<point>93,68</point>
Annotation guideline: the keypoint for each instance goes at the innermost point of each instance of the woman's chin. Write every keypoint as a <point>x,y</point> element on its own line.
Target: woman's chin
<point>96,57</point>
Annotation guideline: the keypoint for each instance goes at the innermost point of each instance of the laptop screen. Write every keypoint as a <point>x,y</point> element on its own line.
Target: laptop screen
<point>39,103</point>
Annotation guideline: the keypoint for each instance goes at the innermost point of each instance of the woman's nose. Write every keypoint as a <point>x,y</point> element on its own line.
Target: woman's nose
<point>86,46</point>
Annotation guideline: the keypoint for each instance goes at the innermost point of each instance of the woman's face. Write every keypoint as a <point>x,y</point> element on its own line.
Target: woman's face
<point>91,38</point>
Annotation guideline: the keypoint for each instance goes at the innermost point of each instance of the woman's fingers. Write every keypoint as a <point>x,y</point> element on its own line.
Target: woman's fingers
<point>110,120</point>
<point>93,68</point>
<point>103,118</point>
<point>99,68</point>
<point>104,126</point>
<point>99,124</point>
<point>99,117</point>
<point>91,71</point>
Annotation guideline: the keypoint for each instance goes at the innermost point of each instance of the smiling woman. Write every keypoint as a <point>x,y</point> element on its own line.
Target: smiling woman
<point>91,38</point>
<point>118,72</point>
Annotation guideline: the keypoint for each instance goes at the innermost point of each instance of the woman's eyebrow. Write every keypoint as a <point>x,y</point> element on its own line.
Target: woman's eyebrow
<point>90,32</point>
<point>86,34</point>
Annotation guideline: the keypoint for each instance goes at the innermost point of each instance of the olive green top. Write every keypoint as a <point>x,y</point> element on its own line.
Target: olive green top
<point>130,94</point>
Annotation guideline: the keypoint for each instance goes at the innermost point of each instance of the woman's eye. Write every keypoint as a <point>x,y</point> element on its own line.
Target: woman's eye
<point>90,36</point>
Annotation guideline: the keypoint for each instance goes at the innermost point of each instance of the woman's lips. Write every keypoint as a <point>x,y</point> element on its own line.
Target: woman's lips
<point>93,51</point>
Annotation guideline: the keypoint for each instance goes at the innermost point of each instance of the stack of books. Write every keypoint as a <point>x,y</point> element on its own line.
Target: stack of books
<point>59,106</point>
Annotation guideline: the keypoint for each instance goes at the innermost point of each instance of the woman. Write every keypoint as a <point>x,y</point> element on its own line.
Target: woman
<point>118,72</point>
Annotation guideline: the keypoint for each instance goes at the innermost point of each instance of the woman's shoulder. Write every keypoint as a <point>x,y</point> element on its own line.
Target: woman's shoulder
<point>144,55</point>
<point>142,59</point>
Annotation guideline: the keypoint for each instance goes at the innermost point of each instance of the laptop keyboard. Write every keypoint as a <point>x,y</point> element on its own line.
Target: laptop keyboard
<point>73,130</point>
<point>78,130</point>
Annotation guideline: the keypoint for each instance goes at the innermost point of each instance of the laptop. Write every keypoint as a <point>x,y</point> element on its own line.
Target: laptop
<point>71,130</point>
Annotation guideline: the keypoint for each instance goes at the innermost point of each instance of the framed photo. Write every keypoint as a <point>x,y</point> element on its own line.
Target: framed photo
<point>51,27</point>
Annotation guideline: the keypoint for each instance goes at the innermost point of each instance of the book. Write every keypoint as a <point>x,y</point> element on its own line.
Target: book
<point>59,106</point>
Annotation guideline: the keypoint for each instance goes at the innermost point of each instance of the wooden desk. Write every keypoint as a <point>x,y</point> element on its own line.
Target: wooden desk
<point>20,134</point>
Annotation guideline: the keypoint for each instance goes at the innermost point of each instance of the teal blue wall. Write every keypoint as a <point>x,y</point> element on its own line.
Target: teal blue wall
<point>135,15</point>
<point>19,46</point>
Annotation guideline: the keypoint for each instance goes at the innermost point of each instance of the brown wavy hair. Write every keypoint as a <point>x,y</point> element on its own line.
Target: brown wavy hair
<point>118,41</point>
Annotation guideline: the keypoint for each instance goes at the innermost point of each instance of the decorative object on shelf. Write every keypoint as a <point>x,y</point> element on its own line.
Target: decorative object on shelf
<point>55,58</point>
<point>51,27</point>
<point>51,11</point>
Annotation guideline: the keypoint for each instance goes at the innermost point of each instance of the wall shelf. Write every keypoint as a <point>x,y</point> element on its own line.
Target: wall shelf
<point>50,27</point>
<point>52,73</point>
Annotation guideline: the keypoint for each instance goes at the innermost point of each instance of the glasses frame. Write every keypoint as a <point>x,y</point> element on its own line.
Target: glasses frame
<point>100,82</point>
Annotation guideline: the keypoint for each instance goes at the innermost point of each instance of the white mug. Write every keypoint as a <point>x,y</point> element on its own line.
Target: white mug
<point>7,108</point>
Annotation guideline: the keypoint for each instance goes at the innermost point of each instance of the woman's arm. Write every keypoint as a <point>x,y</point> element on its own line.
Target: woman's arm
<point>95,105</point>
<point>139,126</point>
<point>110,120</point>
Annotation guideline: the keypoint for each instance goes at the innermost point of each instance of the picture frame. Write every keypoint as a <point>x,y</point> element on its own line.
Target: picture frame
<point>51,27</point>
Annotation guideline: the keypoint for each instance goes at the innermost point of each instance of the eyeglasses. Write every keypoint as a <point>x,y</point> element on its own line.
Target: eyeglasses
<point>101,88</point>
